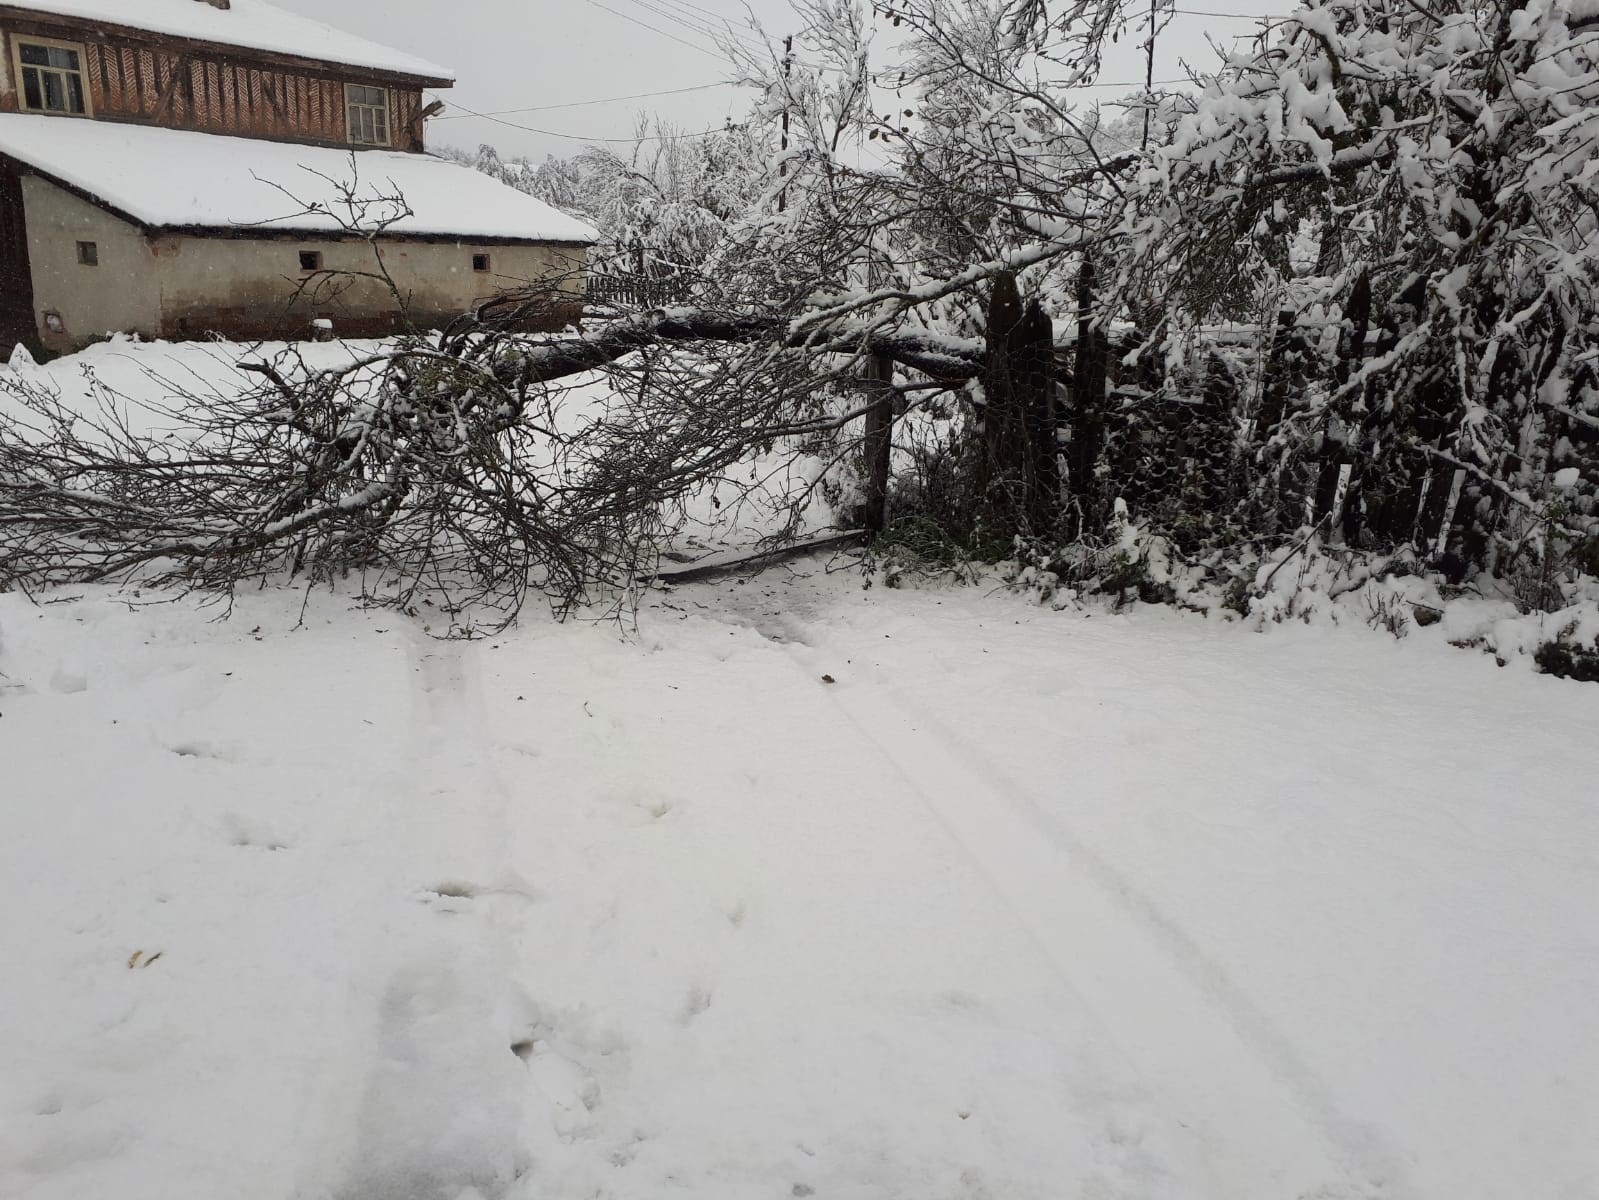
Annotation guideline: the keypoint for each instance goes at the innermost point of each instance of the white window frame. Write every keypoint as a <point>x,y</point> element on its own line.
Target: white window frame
<point>18,41</point>
<point>353,107</point>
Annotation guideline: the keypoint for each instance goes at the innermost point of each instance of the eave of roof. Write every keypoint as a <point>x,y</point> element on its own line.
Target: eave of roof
<point>177,182</point>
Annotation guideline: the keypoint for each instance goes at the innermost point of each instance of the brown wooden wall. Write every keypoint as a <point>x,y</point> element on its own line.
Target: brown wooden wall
<point>189,88</point>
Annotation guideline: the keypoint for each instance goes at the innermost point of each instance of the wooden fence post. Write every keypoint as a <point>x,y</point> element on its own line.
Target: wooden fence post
<point>877,443</point>
<point>1087,416</point>
<point>1033,365</point>
<point>1017,481</point>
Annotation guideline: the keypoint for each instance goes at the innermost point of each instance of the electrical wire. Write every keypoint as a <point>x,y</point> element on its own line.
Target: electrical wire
<point>1233,16</point>
<point>689,4</point>
<point>578,137</point>
<point>1136,83</point>
<point>702,27</point>
<point>507,112</point>
<point>466,113</point>
<point>695,25</point>
<point>646,25</point>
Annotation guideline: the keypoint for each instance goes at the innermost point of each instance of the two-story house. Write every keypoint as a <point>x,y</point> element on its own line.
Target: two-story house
<point>176,168</point>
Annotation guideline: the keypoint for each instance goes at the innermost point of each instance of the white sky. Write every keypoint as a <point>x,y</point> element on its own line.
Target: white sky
<point>512,54</point>
<point>517,54</point>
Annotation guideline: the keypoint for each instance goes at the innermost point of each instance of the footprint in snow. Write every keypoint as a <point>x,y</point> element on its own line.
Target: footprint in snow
<point>247,834</point>
<point>572,1092</point>
<point>69,680</point>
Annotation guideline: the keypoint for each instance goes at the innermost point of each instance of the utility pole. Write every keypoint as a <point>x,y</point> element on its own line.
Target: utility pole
<point>788,62</point>
<point>1149,69</point>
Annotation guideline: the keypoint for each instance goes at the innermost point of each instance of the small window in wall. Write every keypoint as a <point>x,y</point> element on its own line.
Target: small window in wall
<point>89,254</point>
<point>310,260</point>
<point>52,78</point>
<point>366,112</point>
<point>480,262</point>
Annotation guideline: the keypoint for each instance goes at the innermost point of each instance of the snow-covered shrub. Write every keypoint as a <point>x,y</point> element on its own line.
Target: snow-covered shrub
<point>1569,660</point>
<point>1386,611</point>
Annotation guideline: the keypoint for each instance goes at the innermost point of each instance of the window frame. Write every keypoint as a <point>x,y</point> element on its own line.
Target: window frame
<point>88,254</point>
<point>351,105</point>
<point>315,263</point>
<point>486,259</point>
<point>18,41</point>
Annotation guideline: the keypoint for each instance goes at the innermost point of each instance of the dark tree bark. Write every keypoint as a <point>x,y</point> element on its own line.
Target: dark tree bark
<point>877,443</point>
<point>1087,414</point>
<point>1018,481</point>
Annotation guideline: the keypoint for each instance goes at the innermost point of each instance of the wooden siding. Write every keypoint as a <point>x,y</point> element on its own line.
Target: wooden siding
<point>189,88</point>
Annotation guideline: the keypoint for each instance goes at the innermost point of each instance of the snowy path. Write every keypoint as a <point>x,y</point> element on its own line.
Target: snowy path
<point>1265,1123</point>
<point>1020,905</point>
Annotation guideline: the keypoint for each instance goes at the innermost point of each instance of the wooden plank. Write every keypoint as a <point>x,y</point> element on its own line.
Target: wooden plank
<point>95,77</point>
<point>268,91</point>
<point>169,87</point>
<point>160,81</point>
<point>731,562</point>
<point>210,81</point>
<point>144,80</point>
<point>118,73</point>
<point>75,29</point>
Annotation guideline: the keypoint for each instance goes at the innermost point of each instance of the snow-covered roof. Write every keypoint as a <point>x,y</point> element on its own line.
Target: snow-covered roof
<point>253,24</point>
<point>175,179</point>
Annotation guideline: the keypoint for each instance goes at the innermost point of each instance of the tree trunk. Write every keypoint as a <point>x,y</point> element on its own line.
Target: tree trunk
<point>1018,482</point>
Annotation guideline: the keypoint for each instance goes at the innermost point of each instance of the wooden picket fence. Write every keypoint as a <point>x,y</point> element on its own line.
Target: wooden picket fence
<point>637,291</point>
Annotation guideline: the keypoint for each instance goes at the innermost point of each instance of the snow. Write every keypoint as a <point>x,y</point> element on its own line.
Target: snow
<point>1023,903</point>
<point>250,23</point>
<point>215,182</point>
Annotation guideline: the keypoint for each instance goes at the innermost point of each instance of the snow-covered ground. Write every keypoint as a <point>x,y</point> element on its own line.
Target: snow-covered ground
<point>1019,904</point>
<point>795,888</point>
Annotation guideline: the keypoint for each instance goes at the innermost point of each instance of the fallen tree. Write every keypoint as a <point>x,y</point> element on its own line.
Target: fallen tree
<point>466,459</point>
<point>1391,209</point>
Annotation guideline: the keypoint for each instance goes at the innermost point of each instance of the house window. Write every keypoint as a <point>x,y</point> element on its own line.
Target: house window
<point>480,262</point>
<point>367,113</point>
<point>89,254</point>
<point>52,78</point>
<point>310,260</point>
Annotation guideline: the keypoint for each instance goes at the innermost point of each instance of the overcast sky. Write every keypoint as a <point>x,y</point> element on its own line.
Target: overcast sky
<point>536,54</point>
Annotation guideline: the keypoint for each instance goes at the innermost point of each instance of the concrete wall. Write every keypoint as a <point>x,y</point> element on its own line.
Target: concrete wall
<point>120,295</point>
<point>177,287</point>
<point>256,287</point>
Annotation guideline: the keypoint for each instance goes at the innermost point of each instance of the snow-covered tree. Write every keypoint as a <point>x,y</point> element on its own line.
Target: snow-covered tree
<point>1346,280</point>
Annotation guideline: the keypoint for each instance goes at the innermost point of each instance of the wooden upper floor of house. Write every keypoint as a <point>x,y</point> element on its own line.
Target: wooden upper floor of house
<point>179,70</point>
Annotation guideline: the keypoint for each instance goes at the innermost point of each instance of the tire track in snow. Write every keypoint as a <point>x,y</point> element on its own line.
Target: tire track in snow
<point>1198,1038</point>
<point>448,1009</point>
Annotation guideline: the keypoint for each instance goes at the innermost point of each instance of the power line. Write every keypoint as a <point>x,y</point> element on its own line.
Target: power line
<point>1136,83</point>
<point>646,25</point>
<point>752,38</point>
<point>505,112</point>
<point>697,28</point>
<point>468,113</point>
<point>689,4</point>
<point>1235,16</point>
<point>578,137</point>
<point>675,14</point>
